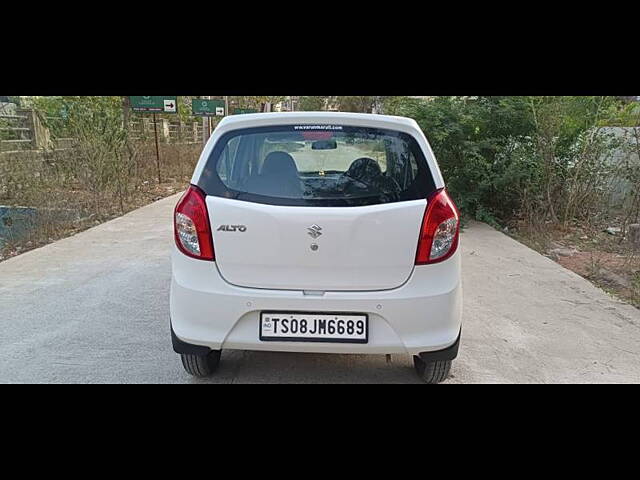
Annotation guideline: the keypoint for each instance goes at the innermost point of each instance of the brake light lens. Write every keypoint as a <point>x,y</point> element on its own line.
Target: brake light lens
<point>191,225</point>
<point>440,229</point>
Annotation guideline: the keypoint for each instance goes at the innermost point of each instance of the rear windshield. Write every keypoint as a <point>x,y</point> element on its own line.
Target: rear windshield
<point>317,165</point>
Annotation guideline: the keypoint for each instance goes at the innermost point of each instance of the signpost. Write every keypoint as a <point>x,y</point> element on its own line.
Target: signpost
<point>208,108</point>
<point>154,104</point>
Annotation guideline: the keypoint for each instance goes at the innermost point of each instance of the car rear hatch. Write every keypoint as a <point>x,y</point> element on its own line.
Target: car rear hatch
<point>315,248</point>
<point>316,207</point>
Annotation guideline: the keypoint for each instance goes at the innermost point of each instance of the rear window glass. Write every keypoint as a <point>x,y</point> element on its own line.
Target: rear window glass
<point>323,165</point>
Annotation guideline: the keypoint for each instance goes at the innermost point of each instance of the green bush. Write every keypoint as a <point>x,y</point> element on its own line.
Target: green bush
<point>538,158</point>
<point>480,144</point>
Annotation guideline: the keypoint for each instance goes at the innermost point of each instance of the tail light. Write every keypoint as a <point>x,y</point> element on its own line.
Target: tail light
<point>191,225</point>
<point>440,229</point>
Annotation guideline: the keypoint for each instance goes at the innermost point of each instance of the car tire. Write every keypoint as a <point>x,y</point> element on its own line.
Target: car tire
<point>201,365</point>
<point>432,372</point>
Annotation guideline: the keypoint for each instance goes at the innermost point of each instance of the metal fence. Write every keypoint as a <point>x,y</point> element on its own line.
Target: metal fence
<point>169,131</point>
<point>24,130</point>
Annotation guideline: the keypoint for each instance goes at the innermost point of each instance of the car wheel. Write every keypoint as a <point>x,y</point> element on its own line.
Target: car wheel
<point>432,372</point>
<point>201,365</point>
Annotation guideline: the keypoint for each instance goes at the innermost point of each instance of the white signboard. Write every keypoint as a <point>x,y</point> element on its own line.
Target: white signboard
<point>170,106</point>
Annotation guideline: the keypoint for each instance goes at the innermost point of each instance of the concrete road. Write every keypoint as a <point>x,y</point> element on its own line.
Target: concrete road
<point>94,308</point>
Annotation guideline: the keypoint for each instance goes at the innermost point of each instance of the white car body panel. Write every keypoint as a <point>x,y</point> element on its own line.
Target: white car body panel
<point>364,264</point>
<point>422,315</point>
<point>361,248</point>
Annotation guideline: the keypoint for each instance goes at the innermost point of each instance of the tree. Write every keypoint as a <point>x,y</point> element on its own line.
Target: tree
<point>313,104</point>
<point>358,104</point>
<point>99,140</point>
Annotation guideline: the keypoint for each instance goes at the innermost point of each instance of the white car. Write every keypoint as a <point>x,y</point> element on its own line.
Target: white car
<point>317,232</point>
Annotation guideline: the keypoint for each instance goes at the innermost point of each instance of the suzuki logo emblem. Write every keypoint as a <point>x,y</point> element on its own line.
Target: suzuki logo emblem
<point>314,231</point>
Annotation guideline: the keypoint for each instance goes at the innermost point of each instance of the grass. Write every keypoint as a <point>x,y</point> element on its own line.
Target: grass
<point>59,182</point>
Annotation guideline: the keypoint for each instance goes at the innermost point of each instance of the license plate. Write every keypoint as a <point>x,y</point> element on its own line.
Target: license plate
<point>314,327</point>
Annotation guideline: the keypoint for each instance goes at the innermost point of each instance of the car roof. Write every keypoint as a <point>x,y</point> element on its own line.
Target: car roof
<point>344,118</point>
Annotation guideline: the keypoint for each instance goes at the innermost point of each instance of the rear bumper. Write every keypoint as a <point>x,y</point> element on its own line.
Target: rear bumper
<point>448,353</point>
<point>423,315</point>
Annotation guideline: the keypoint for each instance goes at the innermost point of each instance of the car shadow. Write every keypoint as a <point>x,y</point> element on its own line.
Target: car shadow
<point>285,367</point>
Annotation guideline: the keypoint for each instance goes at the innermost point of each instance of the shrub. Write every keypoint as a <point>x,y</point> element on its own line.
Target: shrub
<point>537,158</point>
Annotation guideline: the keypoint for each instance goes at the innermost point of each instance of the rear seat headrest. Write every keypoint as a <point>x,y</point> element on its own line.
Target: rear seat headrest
<point>279,163</point>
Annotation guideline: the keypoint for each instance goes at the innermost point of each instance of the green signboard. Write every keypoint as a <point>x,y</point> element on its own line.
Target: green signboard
<point>207,108</point>
<point>154,104</point>
<point>239,111</point>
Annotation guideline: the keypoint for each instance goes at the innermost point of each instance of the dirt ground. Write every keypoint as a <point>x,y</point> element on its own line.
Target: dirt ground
<point>604,257</point>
